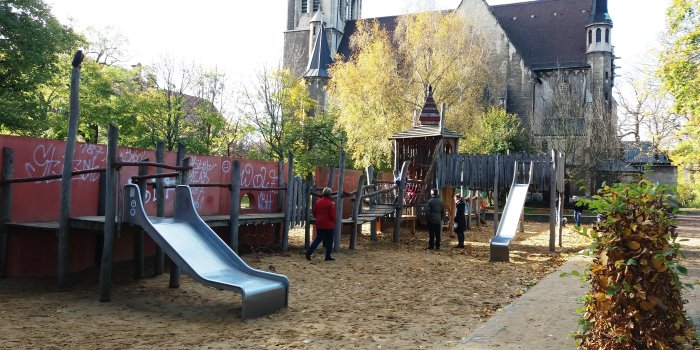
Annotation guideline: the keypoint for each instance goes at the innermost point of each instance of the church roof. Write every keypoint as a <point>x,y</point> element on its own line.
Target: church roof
<point>547,33</point>
<point>600,13</point>
<point>389,24</point>
<point>320,57</point>
<point>426,131</point>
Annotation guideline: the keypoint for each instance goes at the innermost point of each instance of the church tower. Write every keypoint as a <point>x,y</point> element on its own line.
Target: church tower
<point>304,20</point>
<point>599,52</point>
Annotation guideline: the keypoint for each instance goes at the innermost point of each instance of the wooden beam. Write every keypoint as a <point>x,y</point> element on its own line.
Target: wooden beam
<point>307,211</point>
<point>399,204</point>
<point>357,205</point>
<point>339,203</point>
<point>160,205</point>
<point>110,214</point>
<point>280,180</point>
<point>289,202</point>
<point>372,204</point>
<point>6,173</point>
<point>235,204</point>
<point>138,235</point>
<point>66,175</point>
<point>174,281</point>
<point>495,196</point>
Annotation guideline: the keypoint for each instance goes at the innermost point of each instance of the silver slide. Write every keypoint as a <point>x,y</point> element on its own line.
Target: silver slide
<point>515,203</point>
<point>202,255</point>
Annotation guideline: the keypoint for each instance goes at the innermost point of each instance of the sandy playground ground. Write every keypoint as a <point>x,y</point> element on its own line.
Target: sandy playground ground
<point>379,296</point>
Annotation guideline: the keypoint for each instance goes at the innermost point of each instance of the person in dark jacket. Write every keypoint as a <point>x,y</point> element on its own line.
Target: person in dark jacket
<point>435,211</point>
<point>324,212</point>
<point>460,220</point>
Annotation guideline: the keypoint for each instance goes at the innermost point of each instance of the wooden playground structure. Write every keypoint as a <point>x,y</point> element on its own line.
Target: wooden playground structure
<point>424,158</point>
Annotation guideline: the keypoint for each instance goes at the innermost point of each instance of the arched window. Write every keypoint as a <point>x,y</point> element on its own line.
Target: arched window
<point>597,35</point>
<point>606,75</point>
<point>304,6</point>
<point>607,35</point>
<point>590,37</point>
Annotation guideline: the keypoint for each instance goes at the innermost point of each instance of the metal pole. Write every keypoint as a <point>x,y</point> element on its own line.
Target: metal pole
<point>552,201</point>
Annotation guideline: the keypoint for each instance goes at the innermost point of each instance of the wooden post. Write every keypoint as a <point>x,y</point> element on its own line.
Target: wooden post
<point>399,203</point>
<point>331,176</point>
<point>160,205</point>
<point>339,203</point>
<point>182,180</point>
<point>110,214</point>
<point>478,208</point>
<point>495,198</point>
<point>235,203</point>
<point>6,173</point>
<point>138,235</point>
<point>307,211</point>
<point>289,202</point>
<point>469,209</point>
<point>66,174</point>
<point>372,204</point>
<point>356,211</point>
<point>396,156</point>
<point>280,179</point>
<point>552,201</point>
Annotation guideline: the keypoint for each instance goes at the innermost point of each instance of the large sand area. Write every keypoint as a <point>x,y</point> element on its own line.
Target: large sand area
<point>379,296</point>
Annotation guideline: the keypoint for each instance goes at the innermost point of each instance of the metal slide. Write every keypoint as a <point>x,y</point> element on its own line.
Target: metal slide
<point>202,255</point>
<point>515,203</point>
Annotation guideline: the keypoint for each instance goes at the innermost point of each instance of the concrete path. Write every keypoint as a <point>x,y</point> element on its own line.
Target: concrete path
<point>546,315</point>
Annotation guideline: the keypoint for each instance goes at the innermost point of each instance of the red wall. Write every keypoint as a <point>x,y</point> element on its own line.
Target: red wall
<point>34,253</point>
<point>40,201</point>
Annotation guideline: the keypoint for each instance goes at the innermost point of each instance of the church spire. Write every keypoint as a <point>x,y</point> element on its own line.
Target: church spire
<point>599,13</point>
<point>320,58</point>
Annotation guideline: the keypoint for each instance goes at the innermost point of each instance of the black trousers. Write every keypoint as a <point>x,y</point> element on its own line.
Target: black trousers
<point>434,231</point>
<point>327,237</point>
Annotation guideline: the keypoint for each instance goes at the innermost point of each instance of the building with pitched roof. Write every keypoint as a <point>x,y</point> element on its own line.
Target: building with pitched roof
<point>539,49</point>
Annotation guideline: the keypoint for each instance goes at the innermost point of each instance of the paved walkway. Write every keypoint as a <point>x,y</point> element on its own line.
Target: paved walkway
<point>546,315</point>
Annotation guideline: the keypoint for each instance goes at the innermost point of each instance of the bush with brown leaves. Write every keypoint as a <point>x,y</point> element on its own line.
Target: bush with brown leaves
<point>635,297</point>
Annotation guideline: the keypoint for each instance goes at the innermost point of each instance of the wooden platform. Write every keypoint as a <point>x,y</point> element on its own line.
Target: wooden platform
<point>96,223</point>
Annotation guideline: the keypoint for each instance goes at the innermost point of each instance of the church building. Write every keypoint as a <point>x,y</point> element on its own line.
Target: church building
<point>555,60</point>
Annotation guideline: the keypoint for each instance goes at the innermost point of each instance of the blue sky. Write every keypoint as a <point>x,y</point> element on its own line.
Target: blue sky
<point>239,37</point>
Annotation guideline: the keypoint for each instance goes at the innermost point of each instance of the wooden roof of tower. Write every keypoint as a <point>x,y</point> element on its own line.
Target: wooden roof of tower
<point>430,122</point>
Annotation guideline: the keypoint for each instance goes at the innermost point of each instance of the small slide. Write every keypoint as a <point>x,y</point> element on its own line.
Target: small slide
<point>508,225</point>
<point>202,255</point>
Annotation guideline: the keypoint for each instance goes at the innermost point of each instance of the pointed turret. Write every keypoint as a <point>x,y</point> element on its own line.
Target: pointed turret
<point>429,115</point>
<point>599,13</point>
<point>320,58</point>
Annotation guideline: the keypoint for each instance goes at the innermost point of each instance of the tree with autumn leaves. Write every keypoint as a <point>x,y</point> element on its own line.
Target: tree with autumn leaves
<point>376,91</point>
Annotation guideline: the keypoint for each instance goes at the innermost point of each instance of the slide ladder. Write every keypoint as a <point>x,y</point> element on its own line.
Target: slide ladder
<point>512,212</point>
<point>206,258</point>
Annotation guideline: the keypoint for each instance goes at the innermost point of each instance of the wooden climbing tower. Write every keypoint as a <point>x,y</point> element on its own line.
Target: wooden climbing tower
<point>422,146</point>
